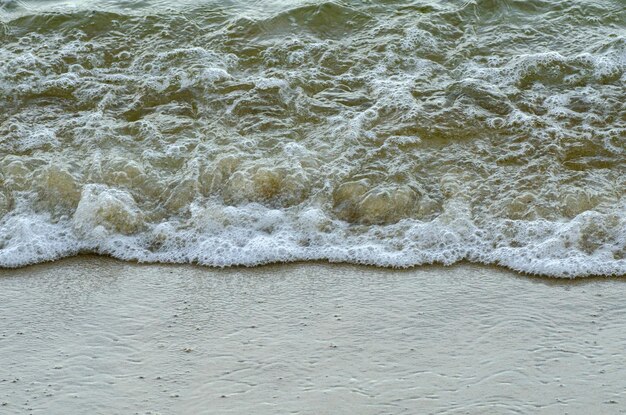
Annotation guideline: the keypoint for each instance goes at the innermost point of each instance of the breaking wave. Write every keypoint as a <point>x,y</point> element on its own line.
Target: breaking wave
<point>384,133</point>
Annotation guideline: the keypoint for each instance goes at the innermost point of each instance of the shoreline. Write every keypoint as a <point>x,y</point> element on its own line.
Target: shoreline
<point>413,268</point>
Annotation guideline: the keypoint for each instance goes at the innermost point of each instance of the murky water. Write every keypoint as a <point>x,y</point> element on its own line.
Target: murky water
<point>383,132</point>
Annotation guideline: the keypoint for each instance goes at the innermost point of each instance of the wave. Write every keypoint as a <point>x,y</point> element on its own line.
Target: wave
<point>380,133</point>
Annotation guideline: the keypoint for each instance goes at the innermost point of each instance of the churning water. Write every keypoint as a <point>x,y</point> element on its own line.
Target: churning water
<point>393,133</point>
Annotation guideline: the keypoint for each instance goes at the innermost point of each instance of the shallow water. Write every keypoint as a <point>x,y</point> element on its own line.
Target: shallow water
<point>383,132</point>
<point>99,336</point>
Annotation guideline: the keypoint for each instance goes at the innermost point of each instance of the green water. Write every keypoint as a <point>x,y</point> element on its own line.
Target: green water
<point>391,133</point>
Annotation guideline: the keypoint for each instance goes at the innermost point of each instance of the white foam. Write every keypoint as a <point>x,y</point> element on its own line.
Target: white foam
<point>253,234</point>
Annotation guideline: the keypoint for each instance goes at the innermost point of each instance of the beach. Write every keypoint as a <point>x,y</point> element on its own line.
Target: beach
<point>234,207</point>
<point>100,336</point>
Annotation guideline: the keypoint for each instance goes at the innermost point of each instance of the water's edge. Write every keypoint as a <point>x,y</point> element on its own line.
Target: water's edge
<point>93,259</point>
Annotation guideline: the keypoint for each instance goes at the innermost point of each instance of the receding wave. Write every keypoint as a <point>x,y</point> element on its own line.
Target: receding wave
<point>385,133</point>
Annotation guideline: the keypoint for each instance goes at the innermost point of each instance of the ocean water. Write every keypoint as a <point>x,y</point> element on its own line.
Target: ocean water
<point>391,133</point>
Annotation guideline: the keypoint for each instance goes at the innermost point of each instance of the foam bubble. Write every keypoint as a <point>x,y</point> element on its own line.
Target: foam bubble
<point>103,210</point>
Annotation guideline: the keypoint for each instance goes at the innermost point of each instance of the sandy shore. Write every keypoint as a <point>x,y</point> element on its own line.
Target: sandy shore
<point>98,336</point>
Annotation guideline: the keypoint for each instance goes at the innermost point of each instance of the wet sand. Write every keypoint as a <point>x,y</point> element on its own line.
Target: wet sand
<point>95,335</point>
